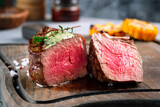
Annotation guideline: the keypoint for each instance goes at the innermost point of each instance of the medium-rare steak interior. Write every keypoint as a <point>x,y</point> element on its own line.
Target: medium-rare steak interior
<point>57,56</point>
<point>114,59</point>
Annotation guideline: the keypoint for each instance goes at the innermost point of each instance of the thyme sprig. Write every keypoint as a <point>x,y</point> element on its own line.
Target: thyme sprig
<point>61,28</point>
<point>37,39</point>
<point>71,28</point>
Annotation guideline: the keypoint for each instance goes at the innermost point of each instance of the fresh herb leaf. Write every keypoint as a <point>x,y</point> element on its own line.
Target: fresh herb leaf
<point>71,30</point>
<point>56,31</point>
<point>46,39</point>
<point>38,39</point>
<point>52,42</point>
<point>61,28</point>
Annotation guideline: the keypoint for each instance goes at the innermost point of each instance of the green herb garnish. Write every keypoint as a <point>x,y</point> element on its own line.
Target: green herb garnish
<point>67,28</point>
<point>52,42</point>
<point>56,31</point>
<point>61,28</point>
<point>71,30</point>
<point>37,39</point>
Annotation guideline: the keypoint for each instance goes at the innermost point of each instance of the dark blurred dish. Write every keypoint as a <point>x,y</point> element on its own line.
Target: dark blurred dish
<point>30,30</point>
<point>11,17</point>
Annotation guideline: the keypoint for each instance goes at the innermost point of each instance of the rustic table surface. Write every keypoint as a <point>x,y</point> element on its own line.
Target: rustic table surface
<point>14,47</point>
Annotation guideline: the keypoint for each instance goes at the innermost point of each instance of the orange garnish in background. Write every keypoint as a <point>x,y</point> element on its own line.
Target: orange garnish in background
<point>139,29</point>
<point>111,29</point>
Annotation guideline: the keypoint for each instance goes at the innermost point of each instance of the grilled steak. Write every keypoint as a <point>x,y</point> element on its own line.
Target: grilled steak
<point>63,61</point>
<point>114,59</point>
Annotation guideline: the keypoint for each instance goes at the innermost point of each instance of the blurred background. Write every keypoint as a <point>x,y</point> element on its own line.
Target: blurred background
<point>148,10</point>
<point>120,9</point>
<point>117,9</point>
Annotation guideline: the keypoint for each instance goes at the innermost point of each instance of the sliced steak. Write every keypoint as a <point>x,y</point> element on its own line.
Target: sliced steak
<point>114,59</point>
<point>64,61</point>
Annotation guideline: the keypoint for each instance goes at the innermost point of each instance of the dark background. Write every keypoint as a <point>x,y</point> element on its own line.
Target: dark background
<point>148,10</point>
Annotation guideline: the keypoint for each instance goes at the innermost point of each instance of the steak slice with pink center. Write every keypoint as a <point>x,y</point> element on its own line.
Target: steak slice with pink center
<point>113,59</point>
<point>64,61</point>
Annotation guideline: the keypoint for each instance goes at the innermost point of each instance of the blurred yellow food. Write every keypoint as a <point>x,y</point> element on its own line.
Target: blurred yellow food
<point>140,30</point>
<point>111,29</point>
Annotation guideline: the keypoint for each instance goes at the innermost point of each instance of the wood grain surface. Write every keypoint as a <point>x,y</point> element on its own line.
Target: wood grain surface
<point>85,90</point>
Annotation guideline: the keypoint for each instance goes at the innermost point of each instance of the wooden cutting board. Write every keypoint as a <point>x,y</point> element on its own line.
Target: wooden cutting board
<point>21,91</point>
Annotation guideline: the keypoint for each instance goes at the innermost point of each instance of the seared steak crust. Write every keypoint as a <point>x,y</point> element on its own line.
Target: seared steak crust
<point>94,64</point>
<point>36,68</point>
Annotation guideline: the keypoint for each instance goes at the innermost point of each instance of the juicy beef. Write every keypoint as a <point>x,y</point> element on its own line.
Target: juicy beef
<point>62,62</point>
<point>114,59</point>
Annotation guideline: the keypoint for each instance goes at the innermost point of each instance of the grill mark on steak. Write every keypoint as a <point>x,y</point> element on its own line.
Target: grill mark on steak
<point>37,48</point>
<point>46,30</point>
